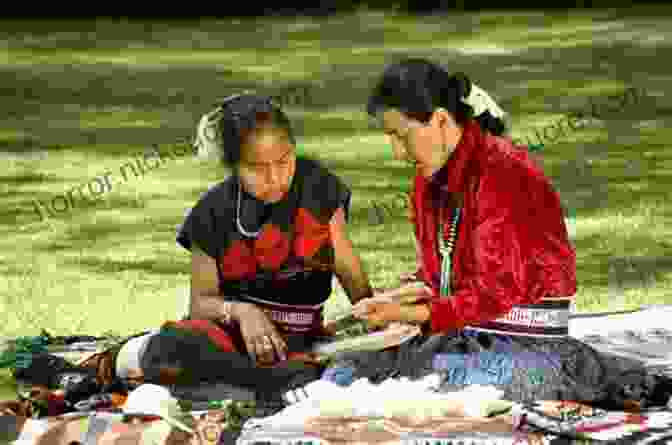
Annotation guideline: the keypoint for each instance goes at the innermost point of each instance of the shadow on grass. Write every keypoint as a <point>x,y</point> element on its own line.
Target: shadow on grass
<point>118,106</point>
<point>27,178</point>
<point>111,266</point>
<point>25,145</point>
<point>27,212</point>
<point>621,272</point>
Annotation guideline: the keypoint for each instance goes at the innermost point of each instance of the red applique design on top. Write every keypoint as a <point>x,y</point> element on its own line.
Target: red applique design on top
<point>311,234</point>
<point>238,262</point>
<point>272,247</point>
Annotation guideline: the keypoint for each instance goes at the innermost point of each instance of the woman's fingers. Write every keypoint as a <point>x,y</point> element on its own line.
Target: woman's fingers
<point>361,308</point>
<point>250,345</point>
<point>368,310</point>
<point>262,340</point>
<point>255,345</point>
<point>265,348</point>
<point>389,294</point>
<point>408,277</point>
<point>413,288</point>
<point>280,346</point>
<point>261,348</point>
<point>367,305</point>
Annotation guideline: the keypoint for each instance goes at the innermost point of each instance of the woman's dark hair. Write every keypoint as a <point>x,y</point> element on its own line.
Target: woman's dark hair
<point>241,115</point>
<point>416,87</point>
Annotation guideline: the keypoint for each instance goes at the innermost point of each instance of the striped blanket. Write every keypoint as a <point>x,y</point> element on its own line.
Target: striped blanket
<point>109,429</point>
<point>547,422</point>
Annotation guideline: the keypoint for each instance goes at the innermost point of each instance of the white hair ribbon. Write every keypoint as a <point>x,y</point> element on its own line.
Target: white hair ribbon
<point>480,101</point>
<point>208,140</point>
<point>207,137</point>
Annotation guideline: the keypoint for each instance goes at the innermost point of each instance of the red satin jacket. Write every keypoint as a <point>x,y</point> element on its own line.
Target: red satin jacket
<point>512,245</point>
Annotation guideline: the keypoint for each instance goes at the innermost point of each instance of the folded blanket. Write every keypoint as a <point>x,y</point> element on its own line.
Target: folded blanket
<point>394,398</point>
<point>385,413</point>
<point>548,422</point>
<point>445,430</point>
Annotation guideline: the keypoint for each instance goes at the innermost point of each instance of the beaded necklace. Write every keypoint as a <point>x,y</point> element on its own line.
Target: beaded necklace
<point>239,224</point>
<point>445,250</point>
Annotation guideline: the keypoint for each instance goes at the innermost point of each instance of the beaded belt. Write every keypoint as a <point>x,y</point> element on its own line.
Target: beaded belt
<point>291,318</point>
<point>549,318</point>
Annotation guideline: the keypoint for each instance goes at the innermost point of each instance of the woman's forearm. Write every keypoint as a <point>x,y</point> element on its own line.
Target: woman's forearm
<point>210,307</point>
<point>348,265</point>
<point>354,280</point>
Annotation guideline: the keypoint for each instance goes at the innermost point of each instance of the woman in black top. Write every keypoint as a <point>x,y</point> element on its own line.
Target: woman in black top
<point>267,241</point>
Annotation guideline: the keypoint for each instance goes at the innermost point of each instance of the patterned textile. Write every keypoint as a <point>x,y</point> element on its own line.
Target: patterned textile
<point>570,422</point>
<point>109,429</point>
<point>551,423</point>
<point>388,431</point>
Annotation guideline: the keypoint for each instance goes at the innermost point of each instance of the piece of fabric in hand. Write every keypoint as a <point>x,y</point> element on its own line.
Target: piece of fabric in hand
<point>341,375</point>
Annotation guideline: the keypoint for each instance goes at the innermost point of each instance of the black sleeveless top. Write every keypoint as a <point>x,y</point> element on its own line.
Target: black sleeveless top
<point>288,268</point>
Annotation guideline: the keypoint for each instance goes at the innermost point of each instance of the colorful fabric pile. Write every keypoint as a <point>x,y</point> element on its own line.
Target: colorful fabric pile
<point>66,404</point>
<point>149,415</point>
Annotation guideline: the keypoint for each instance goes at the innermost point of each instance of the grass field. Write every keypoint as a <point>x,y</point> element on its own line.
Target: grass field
<point>81,99</point>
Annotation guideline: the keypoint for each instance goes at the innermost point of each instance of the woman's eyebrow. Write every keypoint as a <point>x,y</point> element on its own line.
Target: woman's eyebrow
<point>284,156</point>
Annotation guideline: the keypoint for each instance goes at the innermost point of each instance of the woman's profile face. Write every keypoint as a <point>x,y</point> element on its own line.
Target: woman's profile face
<point>267,163</point>
<point>425,145</point>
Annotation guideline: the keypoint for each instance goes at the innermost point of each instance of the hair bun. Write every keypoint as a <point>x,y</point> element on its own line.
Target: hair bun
<point>462,84</point>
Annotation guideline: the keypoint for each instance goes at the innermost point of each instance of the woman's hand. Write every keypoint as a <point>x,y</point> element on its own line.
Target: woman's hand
<point>395,305</point>
<point>409,277</point>
<point>378,312</point>
<point>412,292</point>
<point>381,313</point>
<point>262,339</point>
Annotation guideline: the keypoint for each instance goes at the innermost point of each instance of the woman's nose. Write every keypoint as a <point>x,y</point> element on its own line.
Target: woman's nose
<point>274,175</point>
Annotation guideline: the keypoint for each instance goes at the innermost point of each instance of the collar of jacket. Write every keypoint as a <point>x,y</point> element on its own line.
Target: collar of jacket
<point>452,177</point>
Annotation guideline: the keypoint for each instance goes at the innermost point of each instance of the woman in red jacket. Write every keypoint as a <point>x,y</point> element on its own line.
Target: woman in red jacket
<point>498,272</point>
<point>489,224</point>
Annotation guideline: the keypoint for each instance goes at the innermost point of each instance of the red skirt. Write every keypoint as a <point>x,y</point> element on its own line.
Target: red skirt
<point>228,338</point>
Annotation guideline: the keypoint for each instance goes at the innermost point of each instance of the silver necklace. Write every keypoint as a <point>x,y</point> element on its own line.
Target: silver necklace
<point>239,225</point>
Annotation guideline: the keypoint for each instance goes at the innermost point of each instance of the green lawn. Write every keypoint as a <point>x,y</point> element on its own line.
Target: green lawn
<point>83,98</point>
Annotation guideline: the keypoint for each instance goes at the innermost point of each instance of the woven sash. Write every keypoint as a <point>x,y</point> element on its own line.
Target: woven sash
<point>548,318</point>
